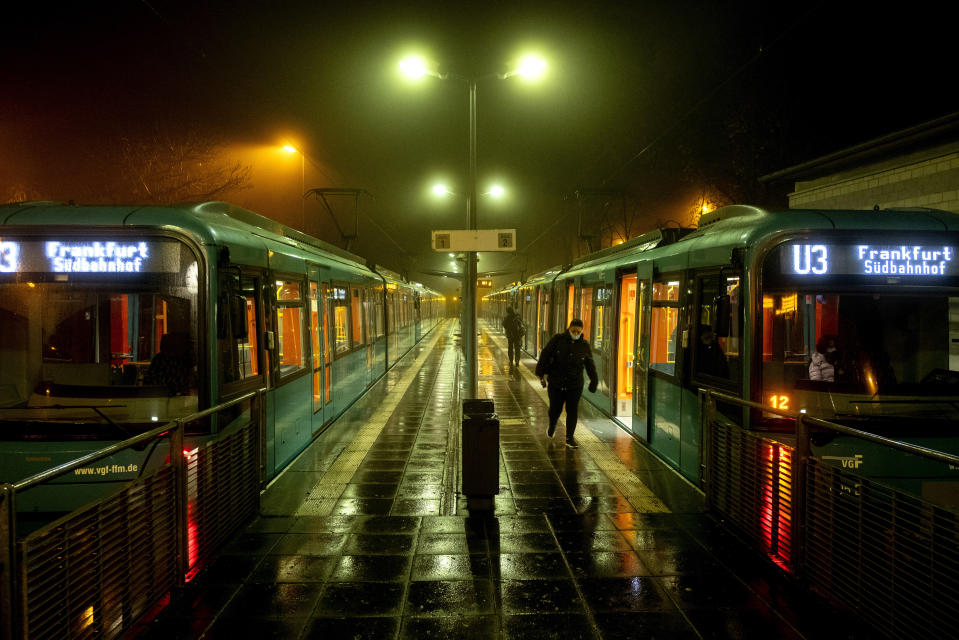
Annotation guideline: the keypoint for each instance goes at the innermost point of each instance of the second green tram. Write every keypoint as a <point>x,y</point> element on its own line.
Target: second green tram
<point>763,289</point>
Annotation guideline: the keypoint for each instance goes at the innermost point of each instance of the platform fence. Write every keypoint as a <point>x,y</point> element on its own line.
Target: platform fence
<point>95,571</point>
<point>885,553</point>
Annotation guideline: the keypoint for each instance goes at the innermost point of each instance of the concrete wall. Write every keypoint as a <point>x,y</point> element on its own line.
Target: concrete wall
<point>928,178</point>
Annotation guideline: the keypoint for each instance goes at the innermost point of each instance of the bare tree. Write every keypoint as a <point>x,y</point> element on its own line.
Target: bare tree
<point>19,192</point>
<point>166,166</point>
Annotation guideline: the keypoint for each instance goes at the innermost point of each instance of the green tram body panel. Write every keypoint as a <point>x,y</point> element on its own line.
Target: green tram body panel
<point>742,245</point>
<point>227,244</point>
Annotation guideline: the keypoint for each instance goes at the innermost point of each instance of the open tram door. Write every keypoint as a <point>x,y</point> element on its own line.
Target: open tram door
<point>625,347</point>
<point>319,347</point>
<point>632,359</point>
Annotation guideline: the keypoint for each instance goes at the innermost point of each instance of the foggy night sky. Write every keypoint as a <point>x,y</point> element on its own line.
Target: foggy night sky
<point>622,76</point>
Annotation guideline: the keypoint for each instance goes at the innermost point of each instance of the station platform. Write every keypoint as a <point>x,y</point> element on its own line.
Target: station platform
<point>365,534</point>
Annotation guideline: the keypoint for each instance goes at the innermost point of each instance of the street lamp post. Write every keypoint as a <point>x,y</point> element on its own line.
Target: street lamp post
<point>469,287</point>
<point>417,68</point>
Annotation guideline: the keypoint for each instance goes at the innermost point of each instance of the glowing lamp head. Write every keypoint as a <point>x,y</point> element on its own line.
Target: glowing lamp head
<point>413,67</point>
<point>531,67</point>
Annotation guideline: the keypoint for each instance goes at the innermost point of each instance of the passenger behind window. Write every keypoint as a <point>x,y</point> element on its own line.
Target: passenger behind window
<point>822,366</point>
<point>172,366</point>
<point>710,358</point>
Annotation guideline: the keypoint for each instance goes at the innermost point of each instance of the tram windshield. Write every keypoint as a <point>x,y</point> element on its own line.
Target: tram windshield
<point>845,355</point>
<point>85,345</point>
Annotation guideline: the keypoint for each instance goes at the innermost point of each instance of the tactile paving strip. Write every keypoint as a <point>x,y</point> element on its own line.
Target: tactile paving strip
<point>323,496</point>
<point>635,490</point>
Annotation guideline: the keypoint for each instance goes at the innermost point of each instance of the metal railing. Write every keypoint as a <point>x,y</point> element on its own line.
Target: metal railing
<point>95,571</point>
<point>885,553</point>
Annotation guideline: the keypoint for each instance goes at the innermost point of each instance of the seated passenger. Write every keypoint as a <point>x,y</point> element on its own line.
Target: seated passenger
<point>822,367</point>
<point>710,358</point>
<point>172,366</point>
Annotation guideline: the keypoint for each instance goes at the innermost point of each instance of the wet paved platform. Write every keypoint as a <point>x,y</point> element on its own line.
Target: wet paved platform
<point>366,536</point>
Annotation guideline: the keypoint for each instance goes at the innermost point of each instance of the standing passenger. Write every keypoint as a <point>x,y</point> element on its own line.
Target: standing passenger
<point>561,364</point>
<point>513,326</point>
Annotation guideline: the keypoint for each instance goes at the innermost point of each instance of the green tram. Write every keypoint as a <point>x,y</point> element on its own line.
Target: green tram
<point>115,319</point>
<point>740,304</point>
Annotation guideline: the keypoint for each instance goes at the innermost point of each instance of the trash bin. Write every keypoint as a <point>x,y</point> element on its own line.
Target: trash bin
<point>480,453</point>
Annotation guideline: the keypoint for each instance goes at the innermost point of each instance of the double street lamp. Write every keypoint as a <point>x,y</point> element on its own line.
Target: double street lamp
<point>417,67</point>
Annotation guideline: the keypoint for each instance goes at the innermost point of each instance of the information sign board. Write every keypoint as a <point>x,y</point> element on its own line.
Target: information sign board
<point>475,240</point>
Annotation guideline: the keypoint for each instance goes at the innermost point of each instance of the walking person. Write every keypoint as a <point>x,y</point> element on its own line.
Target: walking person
<point>560,369</point>
<point>513,326</point>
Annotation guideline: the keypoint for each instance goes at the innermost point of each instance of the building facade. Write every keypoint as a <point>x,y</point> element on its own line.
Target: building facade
<point>917,167</point>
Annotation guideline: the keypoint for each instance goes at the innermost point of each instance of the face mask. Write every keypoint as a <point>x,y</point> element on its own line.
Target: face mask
<point>576,336</point>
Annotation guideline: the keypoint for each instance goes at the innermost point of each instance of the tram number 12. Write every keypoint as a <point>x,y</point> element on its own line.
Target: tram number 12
<point>780,402</point>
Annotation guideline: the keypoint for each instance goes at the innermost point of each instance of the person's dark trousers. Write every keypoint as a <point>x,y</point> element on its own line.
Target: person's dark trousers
<point>513,351</point>
<point>569,397</point>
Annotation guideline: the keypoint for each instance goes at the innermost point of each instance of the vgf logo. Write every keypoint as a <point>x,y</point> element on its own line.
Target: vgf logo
<point>9,256</point>
<point>848,462</point>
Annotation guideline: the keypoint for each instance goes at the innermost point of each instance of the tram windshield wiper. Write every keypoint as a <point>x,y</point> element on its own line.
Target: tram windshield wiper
<point>93,407</point>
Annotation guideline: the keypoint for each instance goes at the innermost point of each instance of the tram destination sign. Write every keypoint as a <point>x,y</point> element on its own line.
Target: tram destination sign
<point>93,256</point>
<point>908,260</point>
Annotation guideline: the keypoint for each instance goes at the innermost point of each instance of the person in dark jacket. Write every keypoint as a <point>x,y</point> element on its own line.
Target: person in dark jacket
<point>560,366</point>
<point>513,327</point>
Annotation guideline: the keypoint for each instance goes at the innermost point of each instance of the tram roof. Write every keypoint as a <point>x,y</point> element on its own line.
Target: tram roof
<point>741,226</point>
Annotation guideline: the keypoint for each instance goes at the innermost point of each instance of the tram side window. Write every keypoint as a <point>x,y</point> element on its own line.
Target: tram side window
<point>586,310</point>
<point>664,320</point>
<point>237,343</point>
<point>716,354</point>
<point>356,315</point>
<point>390,313</point>
<point>785,346</point>
<point>340,312</point>
<point>529,313</point>
<point>601,317</point>
<point>290,315</point>
<point>543,318</point>
<point>378,311</point>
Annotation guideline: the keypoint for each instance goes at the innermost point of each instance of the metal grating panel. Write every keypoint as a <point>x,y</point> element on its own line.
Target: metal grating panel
<point>751,484</point>
<point>93,572</point>
<point>889,556</point>
<point>222,493</point>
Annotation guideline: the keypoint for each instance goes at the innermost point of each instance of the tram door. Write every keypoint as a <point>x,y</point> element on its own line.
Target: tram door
<point>641,323</point>
<point>625,345</point>
<point>319,349</point>
<point>369,310</point>
<point>542,320</point>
